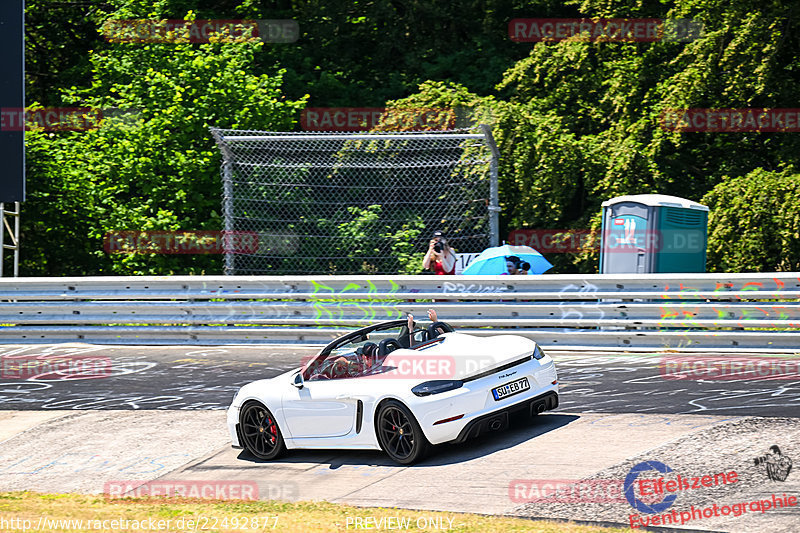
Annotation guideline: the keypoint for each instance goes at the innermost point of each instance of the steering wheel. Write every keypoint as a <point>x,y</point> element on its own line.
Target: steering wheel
<point>432,333</point>
<point>387,346</point>
<point>325,373</point>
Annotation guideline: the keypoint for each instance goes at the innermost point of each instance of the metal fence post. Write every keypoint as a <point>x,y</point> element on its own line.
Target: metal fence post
<point>494,201</point>
<point>227,212</point>
<point>227,202</point>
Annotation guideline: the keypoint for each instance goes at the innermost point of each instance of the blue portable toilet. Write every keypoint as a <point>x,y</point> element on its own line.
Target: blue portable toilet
<point>649,233</point>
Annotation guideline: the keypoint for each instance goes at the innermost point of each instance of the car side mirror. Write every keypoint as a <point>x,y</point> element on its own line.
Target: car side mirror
<point>298,380</point>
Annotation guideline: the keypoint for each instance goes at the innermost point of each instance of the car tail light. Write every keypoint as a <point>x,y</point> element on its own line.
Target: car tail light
<point>436,386</point>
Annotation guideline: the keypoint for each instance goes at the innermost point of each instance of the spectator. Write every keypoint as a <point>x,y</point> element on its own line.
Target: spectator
<point>440,258</point>
<point>515,266</point>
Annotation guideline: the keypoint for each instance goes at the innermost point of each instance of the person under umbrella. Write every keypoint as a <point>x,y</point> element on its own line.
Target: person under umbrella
<point>516,266</point>
<point>508,259</point>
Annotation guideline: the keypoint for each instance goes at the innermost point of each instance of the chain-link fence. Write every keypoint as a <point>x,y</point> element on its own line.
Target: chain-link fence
<point>340,203</point>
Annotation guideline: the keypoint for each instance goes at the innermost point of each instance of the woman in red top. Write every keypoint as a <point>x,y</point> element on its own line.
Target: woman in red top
<point>440,257</point>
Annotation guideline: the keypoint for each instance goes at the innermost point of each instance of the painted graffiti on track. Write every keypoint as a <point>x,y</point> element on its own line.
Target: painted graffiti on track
<point>206,378</point>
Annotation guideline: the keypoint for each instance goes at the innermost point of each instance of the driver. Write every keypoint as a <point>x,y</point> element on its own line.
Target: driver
<point>364,360</point>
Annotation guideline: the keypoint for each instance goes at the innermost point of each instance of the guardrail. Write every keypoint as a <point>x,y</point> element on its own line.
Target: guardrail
<point>634,312</point>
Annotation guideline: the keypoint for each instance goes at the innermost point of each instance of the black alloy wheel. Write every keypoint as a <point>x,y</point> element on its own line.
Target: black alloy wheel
<point>260,432</point>
<point>399,434</point>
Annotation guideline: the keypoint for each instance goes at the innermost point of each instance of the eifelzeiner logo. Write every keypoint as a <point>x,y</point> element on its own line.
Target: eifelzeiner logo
<point>630,494</point>
<point>667,487</point>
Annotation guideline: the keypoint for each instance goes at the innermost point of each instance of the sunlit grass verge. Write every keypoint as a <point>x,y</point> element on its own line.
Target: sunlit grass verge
<point>44,511</point>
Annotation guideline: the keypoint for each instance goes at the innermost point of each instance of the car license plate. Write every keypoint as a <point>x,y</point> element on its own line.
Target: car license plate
<point>510,389</point>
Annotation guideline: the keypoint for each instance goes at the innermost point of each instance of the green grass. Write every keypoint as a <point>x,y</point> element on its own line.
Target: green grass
<point>16,507</point>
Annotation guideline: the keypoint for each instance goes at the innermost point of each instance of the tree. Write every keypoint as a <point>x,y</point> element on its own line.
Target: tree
<point>58,38</point>
<point>151,164</point>
<point>754,223</point>
<point>578,122</point>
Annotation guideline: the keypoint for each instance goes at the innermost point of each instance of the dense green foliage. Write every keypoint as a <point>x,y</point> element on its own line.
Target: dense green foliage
<point>151,166</point>
<point>755,223</point>
<point>577,122</point>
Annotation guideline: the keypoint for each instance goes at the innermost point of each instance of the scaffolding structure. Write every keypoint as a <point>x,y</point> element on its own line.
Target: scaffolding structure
<point>13,234</point>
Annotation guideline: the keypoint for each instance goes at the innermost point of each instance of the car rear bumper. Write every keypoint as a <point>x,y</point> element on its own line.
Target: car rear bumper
<point>498,420</point>
<point>446,416</point>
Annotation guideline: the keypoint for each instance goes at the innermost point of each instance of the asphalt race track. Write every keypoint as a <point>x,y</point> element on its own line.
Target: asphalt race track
<point>172,377</point>
<point>158,415</point>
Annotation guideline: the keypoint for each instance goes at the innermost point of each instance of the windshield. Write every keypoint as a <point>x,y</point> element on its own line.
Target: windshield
<point>358,352</point>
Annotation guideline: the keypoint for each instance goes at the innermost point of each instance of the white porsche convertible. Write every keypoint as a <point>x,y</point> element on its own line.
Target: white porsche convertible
<point>384,387</point>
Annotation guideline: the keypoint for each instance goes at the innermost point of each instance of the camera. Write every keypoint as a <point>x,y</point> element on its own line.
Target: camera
<point>760,460</point>
<point>437,247</point>
<point>765,458</point>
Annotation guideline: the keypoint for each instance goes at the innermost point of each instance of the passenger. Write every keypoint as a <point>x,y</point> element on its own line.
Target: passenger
<point>366,356</point>
<point>435,318</point>
<point>406,337</point>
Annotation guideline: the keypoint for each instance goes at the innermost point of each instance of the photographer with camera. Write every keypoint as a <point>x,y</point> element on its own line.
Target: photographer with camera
<point>440,258</point>
<point>515,266</point>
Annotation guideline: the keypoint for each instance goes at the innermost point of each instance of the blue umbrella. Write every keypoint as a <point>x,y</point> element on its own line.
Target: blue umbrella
<point>493,260</point>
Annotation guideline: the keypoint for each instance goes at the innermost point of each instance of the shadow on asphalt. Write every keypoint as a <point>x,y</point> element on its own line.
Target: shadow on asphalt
<point>521,429</point>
